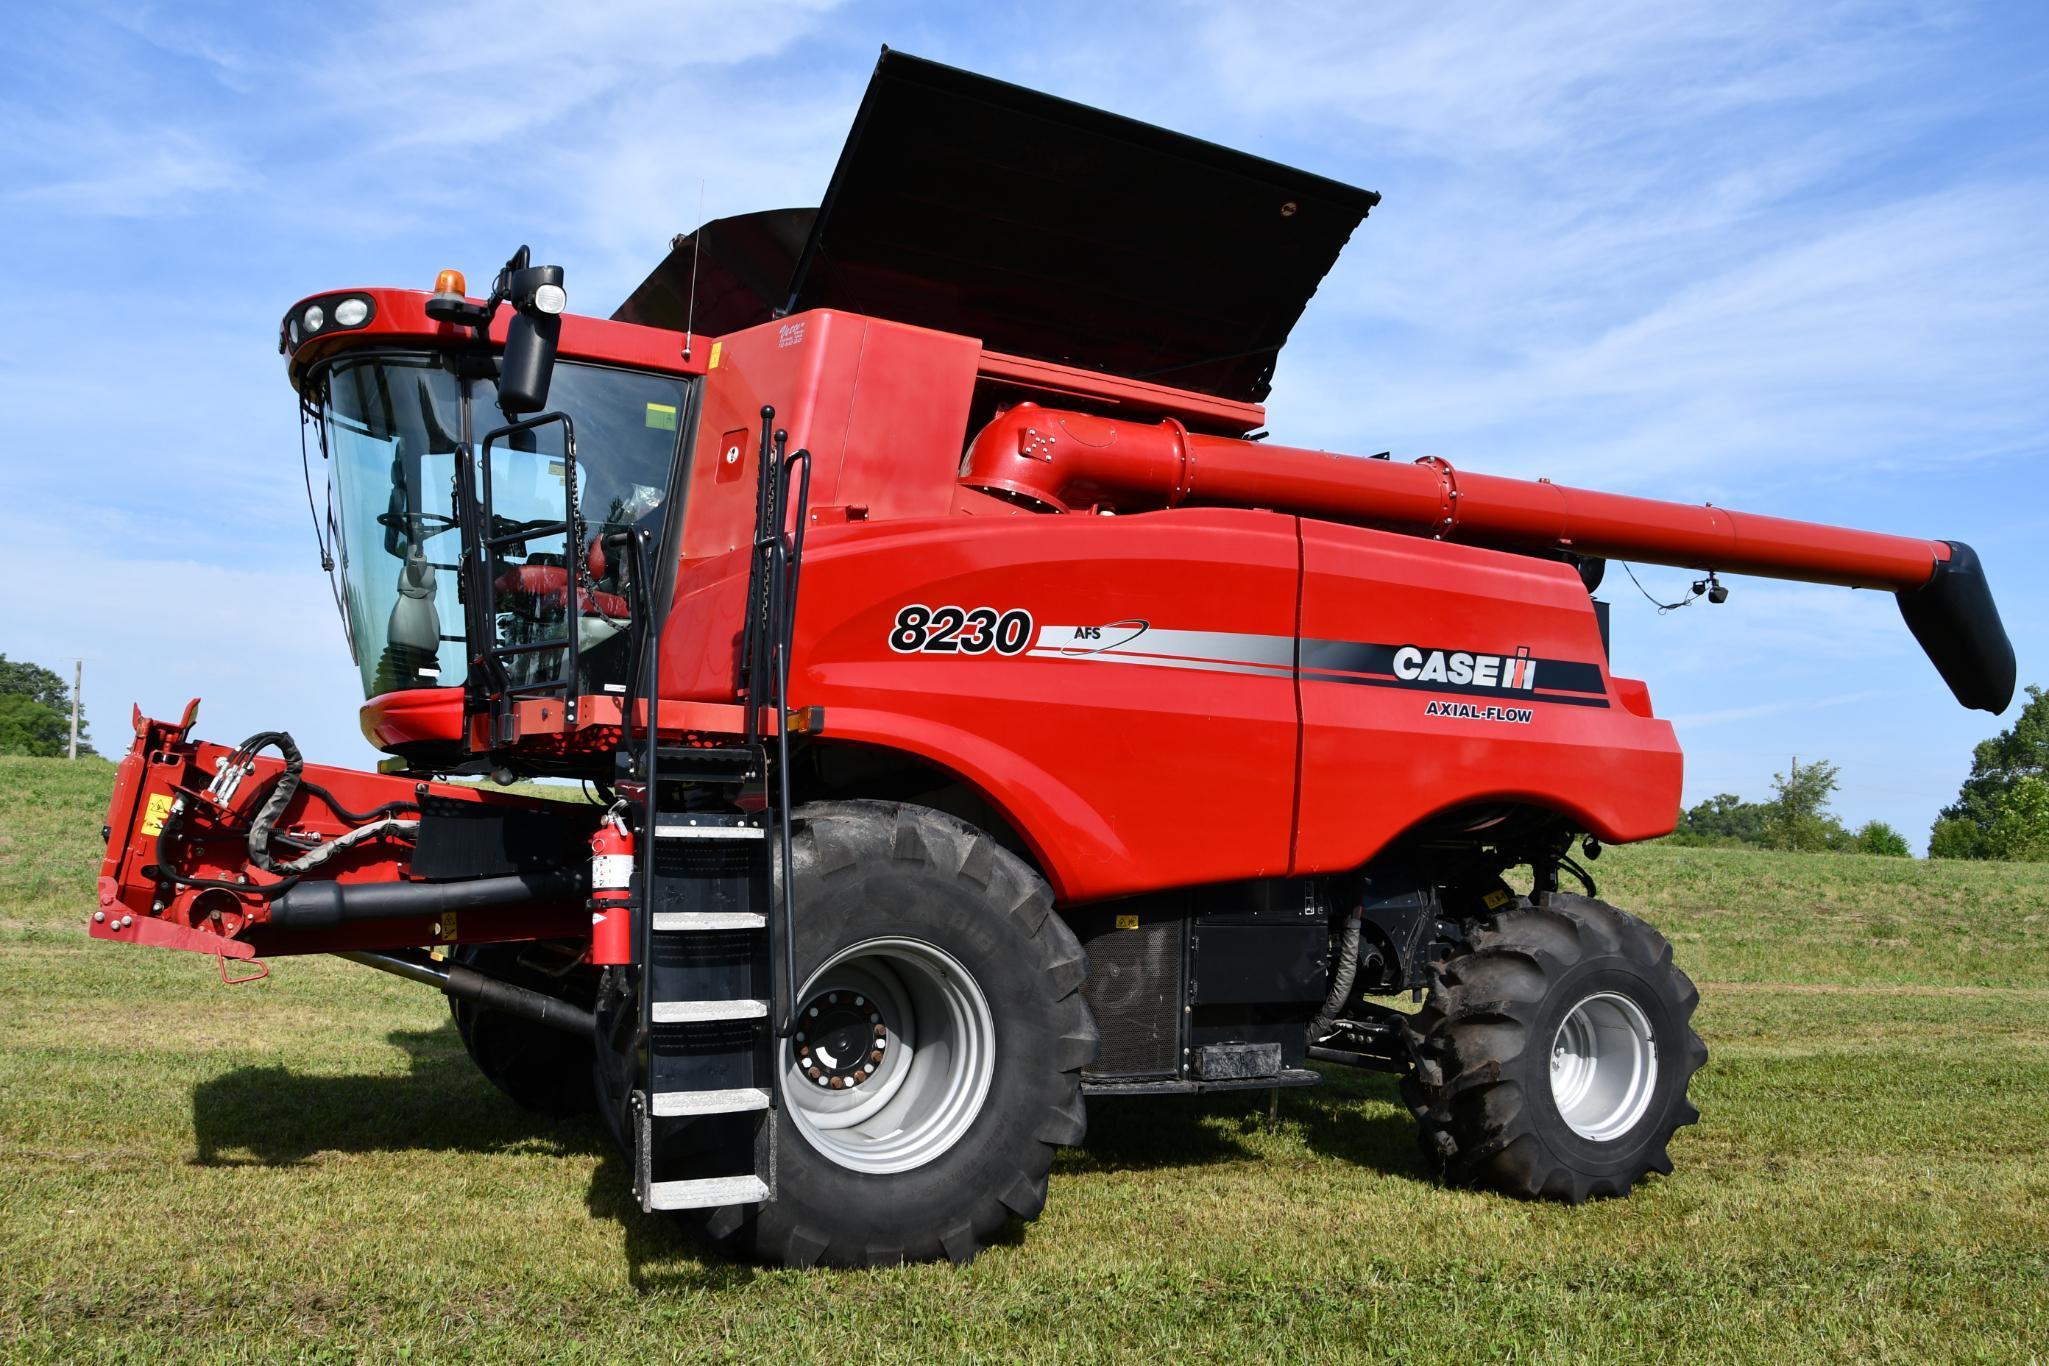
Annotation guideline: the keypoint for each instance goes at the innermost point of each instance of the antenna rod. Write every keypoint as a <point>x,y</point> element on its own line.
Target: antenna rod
<point>696,253</point>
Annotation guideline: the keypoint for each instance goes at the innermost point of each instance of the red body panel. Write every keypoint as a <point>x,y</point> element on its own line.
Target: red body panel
<point>1376,763</point>
<point>397,721</point>
<point>1123,774</point>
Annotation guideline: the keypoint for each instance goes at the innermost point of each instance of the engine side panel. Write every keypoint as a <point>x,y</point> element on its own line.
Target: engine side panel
<point>1438,676</point>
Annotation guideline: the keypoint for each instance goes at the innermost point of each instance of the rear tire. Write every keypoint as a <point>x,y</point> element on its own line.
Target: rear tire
<point>961,936</point>
<point>547,1071</point>
<point>1553,1055</point>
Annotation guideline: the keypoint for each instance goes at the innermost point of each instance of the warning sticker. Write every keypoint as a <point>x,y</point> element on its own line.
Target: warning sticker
<point>661,416</point>
<point>716,347</point>
<point>1127,922</point>
<point>155,814</point>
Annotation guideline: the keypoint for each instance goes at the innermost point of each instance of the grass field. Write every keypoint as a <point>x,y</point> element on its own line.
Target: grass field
<point>308,1167</point>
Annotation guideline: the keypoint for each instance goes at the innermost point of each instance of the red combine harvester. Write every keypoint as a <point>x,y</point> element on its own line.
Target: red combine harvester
<point>980,715</point>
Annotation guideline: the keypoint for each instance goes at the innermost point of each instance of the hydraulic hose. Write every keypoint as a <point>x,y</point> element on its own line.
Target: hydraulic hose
<point>1341,978</point>
<point>277,799</point>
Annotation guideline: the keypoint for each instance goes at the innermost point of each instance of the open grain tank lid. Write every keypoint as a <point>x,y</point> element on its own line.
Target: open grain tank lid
<point>1043,227</point>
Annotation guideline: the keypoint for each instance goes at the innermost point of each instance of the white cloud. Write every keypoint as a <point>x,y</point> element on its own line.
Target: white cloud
<point>103,171</point>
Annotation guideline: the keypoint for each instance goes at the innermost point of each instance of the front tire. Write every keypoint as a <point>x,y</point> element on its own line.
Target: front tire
<point>1553,1055</point>
<point>931,1143</point>
<point>541,1069</point>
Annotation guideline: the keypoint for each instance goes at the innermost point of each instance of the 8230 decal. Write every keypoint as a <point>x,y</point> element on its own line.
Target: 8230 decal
<point>952,630</point>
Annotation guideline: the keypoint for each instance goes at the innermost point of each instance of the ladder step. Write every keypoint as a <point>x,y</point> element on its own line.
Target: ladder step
<point>707,1192</point>
<point>703,1012</point>
<point>678,1104</point>
<point>674,921</point>
<point>710,832</point>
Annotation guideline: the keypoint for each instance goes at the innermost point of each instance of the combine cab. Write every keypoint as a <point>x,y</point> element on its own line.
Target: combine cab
<point>975,714</point>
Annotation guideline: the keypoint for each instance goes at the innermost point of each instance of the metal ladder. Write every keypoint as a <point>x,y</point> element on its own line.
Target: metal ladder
<point>706,1101</point>
<point>712,932</point>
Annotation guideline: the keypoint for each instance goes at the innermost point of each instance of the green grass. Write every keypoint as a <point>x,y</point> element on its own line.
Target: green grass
<point>308,1167</point>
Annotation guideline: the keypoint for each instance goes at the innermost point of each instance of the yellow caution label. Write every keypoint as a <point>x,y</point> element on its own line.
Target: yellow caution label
<point>444,928</point>
<point>1127,922</point>
<point>716,347</point>
<point>156,813</point>
<point>1496,899</point>
<point>661,416</point>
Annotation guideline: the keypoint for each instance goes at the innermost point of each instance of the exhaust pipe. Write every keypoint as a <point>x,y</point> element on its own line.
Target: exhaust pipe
<point>467,984</point>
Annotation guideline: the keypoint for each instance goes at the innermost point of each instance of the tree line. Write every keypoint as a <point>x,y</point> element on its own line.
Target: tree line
<point>2001,812</point>
<point>35,712</point>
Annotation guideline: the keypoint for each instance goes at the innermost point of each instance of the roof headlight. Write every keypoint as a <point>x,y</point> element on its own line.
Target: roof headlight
<point>351,312</point>
<point>550,299</point>
<point>292,330</point>
<point>312,318</point>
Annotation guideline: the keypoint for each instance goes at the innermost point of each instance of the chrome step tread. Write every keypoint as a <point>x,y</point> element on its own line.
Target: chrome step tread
<point>668,922</point>
<point>706,1192</point>
<point>709,832</point>
<point>704,1012</point>
<point>677,1104</point>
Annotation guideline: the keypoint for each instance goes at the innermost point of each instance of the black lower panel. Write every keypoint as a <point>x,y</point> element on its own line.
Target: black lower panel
<point>1135,987</point>
<point>1240,967</point>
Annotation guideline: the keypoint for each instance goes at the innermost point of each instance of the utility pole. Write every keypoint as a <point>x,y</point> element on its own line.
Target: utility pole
<point>77,685</point>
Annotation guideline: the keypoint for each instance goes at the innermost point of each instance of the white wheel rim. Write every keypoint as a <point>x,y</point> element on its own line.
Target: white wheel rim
<point>1604,1066</point>
<point>892,1056</point>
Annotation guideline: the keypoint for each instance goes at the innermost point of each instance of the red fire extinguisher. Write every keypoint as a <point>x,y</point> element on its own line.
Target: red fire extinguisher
<point>612,891</point>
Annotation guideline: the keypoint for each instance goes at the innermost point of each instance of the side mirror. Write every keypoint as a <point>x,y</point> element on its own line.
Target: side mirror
<point>531,338</point>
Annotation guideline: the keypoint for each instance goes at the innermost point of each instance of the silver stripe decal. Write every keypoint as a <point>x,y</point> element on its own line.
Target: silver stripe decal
<point>1162,662</point>
<point>1128,638</point>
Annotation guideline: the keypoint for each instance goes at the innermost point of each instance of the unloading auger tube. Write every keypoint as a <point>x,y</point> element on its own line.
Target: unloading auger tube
<point>1068,461</point>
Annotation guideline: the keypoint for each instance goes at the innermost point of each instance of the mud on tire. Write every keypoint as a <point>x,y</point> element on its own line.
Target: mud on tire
<point>875,871</point>
<point>1563,979</point>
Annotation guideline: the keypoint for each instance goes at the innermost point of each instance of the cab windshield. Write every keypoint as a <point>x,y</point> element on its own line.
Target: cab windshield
<point>393,425</point>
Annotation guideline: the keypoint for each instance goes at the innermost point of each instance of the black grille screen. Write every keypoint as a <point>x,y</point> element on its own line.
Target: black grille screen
<point>1134,987</point>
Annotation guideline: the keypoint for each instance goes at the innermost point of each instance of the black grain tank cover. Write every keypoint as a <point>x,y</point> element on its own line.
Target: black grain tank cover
<point>741,279</point>
<point>1052,230</point>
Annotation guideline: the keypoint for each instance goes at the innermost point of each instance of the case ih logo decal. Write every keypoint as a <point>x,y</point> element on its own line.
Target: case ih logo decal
<point>1521,676</point>
<point>1429,668</point>
<point>1459,669</point>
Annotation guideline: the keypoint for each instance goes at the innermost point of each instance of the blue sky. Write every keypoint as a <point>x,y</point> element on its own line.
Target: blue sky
<point>1783,257</point>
